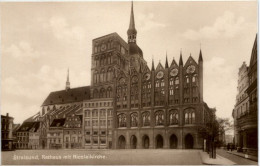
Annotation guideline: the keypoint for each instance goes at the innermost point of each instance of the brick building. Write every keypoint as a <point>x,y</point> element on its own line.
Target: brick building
<point>128,104</point>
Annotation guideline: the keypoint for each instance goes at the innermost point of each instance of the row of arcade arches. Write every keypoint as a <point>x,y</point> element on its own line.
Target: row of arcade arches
<point>159,142</point>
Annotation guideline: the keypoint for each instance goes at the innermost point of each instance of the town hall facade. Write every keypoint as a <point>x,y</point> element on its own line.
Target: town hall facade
<point>128,104</point>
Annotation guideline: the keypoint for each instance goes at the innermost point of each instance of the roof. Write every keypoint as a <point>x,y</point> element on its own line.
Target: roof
<point>27,126</point>
<point>68,96</point>
<point>58,122</point>
<point>134,49</point>
<point>16,127</point>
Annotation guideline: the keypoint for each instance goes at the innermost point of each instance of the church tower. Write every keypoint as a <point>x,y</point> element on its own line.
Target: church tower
<point>132,32</point>
<point>68,81</point>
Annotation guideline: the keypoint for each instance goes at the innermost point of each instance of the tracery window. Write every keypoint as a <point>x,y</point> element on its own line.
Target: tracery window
<point>190,116</point>
<point>174,117</point>
<point>159,118</point>
<point>171,81</point>
<point>122,120</point>
<point>134,119</point>
<point>146,118</point>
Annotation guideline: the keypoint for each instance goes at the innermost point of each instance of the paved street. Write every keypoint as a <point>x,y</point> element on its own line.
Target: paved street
<point>237,159</point>
<point>102,157</point>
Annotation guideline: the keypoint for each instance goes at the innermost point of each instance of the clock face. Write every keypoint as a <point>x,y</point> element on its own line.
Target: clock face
<point>190,69</point>
<point>147,76</point>
<point>159,74</point>
<point>103,47</point>
<point>174,72</point>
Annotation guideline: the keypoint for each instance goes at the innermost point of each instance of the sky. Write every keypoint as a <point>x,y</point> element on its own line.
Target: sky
<point>41,40</point>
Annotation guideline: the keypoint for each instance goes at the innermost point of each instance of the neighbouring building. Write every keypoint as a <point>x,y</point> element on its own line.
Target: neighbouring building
<point>55,134</point>
<point>34,136</point>
<point>7,132</point>
<point>23,134</point>
<point>98,120</point>
<point>73,131</point>
<point>128,104</point>
<point>242,99</point>
<point>247,125</point>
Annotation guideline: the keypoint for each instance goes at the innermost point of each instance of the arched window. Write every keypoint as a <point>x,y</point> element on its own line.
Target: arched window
<point>146,118</point>
<point>187,79</point>
<point>171,91</point>
<point>122,120</point>
<point>171,81</point>
<point>109,74</point>
<point>194,78</point>
<point>109,92</point>
<point>102,75</point>
<point>134,120</point>
<point>177,80</point>
<point>157,84</point>
<point>190,116</point>
<point>159,118</point>
<point>162,83</point>
<point>102,93</point>
<point>95,76</point>
<point>95,93</point>
<point>174,117</point>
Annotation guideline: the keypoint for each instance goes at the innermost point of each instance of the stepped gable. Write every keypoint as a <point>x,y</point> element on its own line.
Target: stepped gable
<point>68,96</point>
<point>58,122</point>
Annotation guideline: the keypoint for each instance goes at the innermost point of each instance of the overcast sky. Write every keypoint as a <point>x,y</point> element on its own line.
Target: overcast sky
<point>39,41</point>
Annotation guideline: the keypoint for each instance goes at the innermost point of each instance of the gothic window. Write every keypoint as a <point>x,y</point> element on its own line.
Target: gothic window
<point>102,93</point>
<point>109,92</point>
<point>174,117</point>
<point>134,121</point>
<point>190,116</point>
<point>194,78</point>
<point>177,81</point>
<point>95,93</point>
<point>122,120</point>
<point>109,74</point>
<point>95,76</point>
<point>171,91</point>
<point>146,118</point>
<point>162,83</point>
<point>159,118</point>
<point>187,79</point>
<point>157,84</point>
<point>95,50</point>
<point>171,81</point>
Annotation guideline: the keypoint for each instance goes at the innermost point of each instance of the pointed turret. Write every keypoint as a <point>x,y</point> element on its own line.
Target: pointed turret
<point>132,32</point>
<point>68,81</point>
<point>200,56</point>
<point>166,61</point>
<point>140,68</point>
<point>181,62</point>
<point>152,66</point>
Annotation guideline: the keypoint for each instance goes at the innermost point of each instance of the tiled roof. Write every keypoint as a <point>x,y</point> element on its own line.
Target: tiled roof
<point>58,122</point>
<point>27,126</point>
<point>68,96</point>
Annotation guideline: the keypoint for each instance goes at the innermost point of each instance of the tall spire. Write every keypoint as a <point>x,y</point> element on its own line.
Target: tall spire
<point>166,61</point>
<point>181,62</point>
<point>152,66</point>
<point>68,80</point>
<point>131,32</point>
<point>200,56</point>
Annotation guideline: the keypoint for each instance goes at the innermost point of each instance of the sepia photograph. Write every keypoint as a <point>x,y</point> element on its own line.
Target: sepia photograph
<point>129,82</point>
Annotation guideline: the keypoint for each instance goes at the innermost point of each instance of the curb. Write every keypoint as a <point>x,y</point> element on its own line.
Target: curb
<point>250,157</point>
